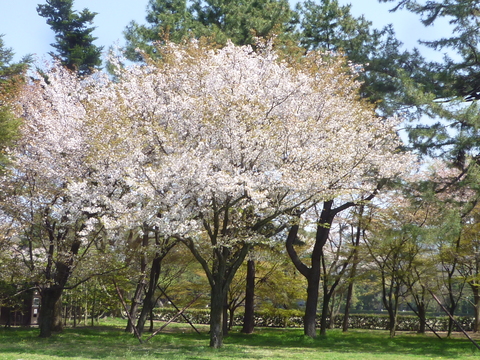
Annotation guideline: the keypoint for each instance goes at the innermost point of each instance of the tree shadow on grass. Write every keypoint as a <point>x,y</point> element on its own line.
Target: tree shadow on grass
<point>113,343</point>
<point>374,342</point>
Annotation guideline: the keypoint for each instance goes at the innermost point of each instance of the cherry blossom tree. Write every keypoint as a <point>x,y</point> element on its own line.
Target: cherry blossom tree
<point>217,146</point>
<point>211,147</point>
<point>53,233</point>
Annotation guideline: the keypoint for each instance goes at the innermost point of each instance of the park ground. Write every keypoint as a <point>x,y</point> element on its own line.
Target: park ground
<point>108,341</point>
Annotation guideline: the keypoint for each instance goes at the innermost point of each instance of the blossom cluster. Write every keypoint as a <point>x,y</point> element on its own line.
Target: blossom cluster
<point>173,142</point>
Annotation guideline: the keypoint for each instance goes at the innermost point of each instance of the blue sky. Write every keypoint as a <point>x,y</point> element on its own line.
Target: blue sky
<point>26,32</point>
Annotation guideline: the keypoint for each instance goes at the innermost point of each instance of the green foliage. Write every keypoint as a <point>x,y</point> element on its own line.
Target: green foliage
<point>74,45</point>
<point>242,21</point>
<point>11,79</point>
<point>392,78</point>
<point>9,125</point>
<point>169,18</point>
<point>460,74</point>
<point>180,342</point>
<point>221,20</point>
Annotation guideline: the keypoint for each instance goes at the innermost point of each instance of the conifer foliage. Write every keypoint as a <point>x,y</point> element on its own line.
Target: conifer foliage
<point>75,48</point>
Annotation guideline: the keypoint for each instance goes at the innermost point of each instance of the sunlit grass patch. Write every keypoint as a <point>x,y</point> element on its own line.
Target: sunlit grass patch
<point>109,341</point>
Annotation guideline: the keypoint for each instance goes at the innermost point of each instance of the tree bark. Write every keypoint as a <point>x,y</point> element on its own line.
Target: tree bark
<point>51,304</point>
<point>149,301</point>
<point>353,272</point>
<point>323,317</point>
<point>422,315</point>
<point>137,297</point>
<point>348,304</point>
<point>476,308</point>
<point>225,315</point>
<point>310,318</point>
<point>50,319</point>
<point>216,316</point>
<point>249,315</point>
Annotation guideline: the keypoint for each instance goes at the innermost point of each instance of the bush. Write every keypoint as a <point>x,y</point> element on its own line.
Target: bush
<point>294,319</point>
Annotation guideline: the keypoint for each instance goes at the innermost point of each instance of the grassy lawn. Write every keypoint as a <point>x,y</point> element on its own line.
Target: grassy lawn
<point>109,341</point>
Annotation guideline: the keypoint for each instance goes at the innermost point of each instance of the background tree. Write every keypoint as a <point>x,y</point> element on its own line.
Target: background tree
<point>393,79</point>
<point>238,21</point>
<point>12,77</point>
<point>56,233</point>
<point>74,40</point>
<point>457,76</point>
<point>170,19</point>
<point>454,83</point>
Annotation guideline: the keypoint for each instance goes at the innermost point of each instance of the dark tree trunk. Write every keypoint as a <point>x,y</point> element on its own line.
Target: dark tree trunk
<point>353,272</point>
<point>422,316</point>
<point>217,302</point>
<point>348,304</point>
<point>327,296</point>
<point>451,310</point>
<point>231,318</point>
<point>51,304</point>
<point>222,266</point>
<point>313,273</point>
<point>310,318</point>
<point>392,321</point>
<point>476,308</point>
<point>149,301</point>
<point>225,315</point>
<point>51,311</point>
<point>137,297</point>
<point>390,297</point>
<point>249,316</point>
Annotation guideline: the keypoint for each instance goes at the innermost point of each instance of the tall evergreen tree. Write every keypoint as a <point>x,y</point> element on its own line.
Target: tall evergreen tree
<point>238,21</point>
<point>460,74</point>
<point>455,83</point>
<point>170,18</point>
<point>392,79</point>
<point>74,39</point>
<point>11,78</point>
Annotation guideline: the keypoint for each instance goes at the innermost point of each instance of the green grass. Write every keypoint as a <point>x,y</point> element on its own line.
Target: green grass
<point>109,341</point>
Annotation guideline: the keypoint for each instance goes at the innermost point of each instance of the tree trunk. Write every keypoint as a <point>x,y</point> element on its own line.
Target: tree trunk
<point>136,300</point>
<point>217,302</point>
<point>422,316</point>
<point>325,306</point>
<point>249,316</point>
<point>348,304</point>
<point>137,297</point>
<point>51,311</point>
<point>313,283</point>
<point>149,301</point>
<point>451,310</point>
<point>476,307</point>
<point>225,315</point>
<point>392,321</point>
<point>231,318</point>
<point>353,272</point>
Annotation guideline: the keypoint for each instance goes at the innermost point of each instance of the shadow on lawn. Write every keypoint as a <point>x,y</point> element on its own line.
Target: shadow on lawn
<point>180,343</point>
<point>359,342</point>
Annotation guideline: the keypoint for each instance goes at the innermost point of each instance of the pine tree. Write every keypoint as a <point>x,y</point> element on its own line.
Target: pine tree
<point>74,39</point>
<point>221,20</point>
<point>392,78</point>
<point>11,78</point>
<point>455,84</point>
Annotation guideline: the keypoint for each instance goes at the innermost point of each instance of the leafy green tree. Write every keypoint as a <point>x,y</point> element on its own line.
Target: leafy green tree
<point>459,75</point>
<point>11,79</point>
<point>455,83</point>
<point>222,20</point>
<point>164,17</point>
<point>74,39</point>
<point>242,21</point>
<point>393,79</point>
